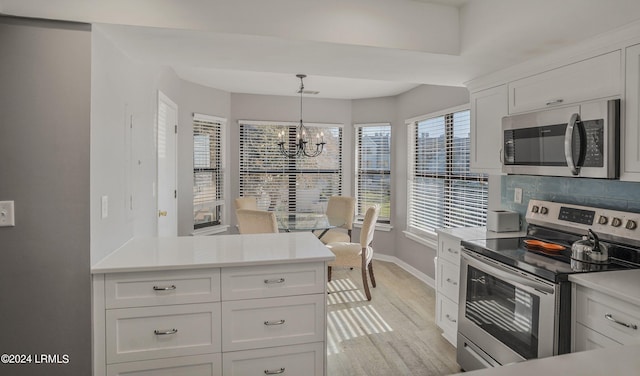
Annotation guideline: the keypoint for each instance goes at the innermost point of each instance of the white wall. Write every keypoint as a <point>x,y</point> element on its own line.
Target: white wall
<point>122,89</point>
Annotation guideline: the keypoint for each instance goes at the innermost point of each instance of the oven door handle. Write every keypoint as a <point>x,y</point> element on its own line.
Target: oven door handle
<point>499,271</point>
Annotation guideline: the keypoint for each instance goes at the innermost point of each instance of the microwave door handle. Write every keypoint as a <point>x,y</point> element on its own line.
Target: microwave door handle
<point>568,144</point>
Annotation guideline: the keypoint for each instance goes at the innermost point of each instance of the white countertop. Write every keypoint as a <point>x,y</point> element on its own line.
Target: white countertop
<point>619,360</point>
<point>622,284</point>
<point>189,252</point>
<point>475,233</point>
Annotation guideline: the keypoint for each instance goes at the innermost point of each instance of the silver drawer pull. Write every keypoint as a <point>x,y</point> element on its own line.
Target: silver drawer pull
<point>279,322</point>
<point>450,319</point>
<point>272,281</point>
<point>165,288</point>
<point>274,372</point>
<point>452,251</point>
<point>165,332</point>
<point>609,317</point>
<point>555,101</point>
<point>452,281</point>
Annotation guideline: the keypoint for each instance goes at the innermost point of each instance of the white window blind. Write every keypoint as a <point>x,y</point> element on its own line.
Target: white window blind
<point>442,191</point>
<point>208,170</point>
<point>373,169</point>
<point>299,184</point>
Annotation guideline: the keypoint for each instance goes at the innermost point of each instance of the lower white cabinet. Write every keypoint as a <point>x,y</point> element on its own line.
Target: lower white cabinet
<point>601,320</point>
<point>307,360</point>
<point>447,285</point>
<point>199,365</point>
<point>259,319</point>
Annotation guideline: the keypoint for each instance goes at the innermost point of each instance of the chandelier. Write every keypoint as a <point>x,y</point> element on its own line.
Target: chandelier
<point>303,140</point>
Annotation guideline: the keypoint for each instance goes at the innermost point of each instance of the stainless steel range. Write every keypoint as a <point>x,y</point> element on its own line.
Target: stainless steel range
<point>514,292</point>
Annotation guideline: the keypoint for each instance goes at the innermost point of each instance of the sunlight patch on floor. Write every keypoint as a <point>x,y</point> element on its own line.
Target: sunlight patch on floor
<point>345,324</point>
<point>344,291</point>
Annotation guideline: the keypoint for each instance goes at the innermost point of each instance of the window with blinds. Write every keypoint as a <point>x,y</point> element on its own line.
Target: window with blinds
<point>300,184</point>
<point>208,170</point>
<point>373,169</point>
<point>442,191</point>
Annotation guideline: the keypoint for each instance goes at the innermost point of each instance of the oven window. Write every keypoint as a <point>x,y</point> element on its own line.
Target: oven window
<point>506,312</point>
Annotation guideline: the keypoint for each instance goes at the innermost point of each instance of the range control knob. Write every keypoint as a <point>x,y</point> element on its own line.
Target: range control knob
<point>544,210</point>
<point>603,220</point>
<point>535,209</point>
<point>616,222</point>
<point>631,225</point>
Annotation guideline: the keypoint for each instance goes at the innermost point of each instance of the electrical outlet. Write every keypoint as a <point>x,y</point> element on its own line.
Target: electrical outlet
<point>105,207</point>
<point>517,195</point>
<point>7,216</point>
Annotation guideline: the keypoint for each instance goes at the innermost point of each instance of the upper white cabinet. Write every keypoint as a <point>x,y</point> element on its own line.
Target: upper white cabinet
<point>597,77</point>
<point>487,109</point>
<point>630,136</point>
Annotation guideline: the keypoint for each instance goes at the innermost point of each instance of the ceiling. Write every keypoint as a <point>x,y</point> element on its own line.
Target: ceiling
<point>348,48</point>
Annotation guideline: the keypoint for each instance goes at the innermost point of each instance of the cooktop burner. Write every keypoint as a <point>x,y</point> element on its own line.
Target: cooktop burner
<point>550,265</point>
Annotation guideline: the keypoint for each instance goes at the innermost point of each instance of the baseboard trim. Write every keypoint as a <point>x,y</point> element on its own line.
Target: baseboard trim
<point>410,269</point>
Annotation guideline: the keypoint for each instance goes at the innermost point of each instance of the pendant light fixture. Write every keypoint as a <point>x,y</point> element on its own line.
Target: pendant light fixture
<point>303,140</point>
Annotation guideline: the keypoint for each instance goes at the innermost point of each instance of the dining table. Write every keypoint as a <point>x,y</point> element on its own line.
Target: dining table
<point>303,221</point>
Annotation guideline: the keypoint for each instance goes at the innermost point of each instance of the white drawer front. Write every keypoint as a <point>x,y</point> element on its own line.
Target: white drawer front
<point>250,324</point>
<point>448,280</point>
<point>273,280</point>
<point>162,288</point>
<point>199,365</point>
<point>307,360</point>
<point>587,339</point>
<point>598,312</point>
<point>449,249</point>
<point>137,333</point>
<point>447,317</point>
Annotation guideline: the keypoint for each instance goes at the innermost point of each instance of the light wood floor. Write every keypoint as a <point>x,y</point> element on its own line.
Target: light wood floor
<point>393,334</point>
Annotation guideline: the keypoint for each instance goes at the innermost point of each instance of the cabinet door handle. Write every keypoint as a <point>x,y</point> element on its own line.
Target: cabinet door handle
<point>609,317</point>
<point>272,281</point>
<point>450,319</point>
<point>452,251</point>
<point>452,281</point>
<point>555,101</point>
<point>279,322</point>
<point>165,288</point>
<point>165,332</point>
<point>274,372</point>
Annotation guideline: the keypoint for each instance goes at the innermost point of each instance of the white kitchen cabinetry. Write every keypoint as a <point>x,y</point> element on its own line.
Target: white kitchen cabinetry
<point>447,284</point>
<point>602,320</point>
<point>594,78</point>
<point>630,169</point>
<point>257,311</point>
<point>487,109</point>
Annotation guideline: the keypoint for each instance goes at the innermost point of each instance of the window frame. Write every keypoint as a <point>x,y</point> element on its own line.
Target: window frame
<point>223,173</point>
<point>290,169</point>
<point>411,230</point>
<point>357,172</point>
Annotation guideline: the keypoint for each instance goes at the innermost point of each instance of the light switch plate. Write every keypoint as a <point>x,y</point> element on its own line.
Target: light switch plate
<point>517,195</point>
<point>7,216</point>
<point>105,207</point>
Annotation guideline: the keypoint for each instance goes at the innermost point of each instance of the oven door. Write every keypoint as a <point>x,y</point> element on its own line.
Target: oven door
<point>505,315</point>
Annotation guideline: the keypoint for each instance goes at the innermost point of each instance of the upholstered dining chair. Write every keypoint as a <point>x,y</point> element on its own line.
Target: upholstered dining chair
<point>339,207</point>
<point>256,221</point>
<point>246,203</point>
<point>358,255</point>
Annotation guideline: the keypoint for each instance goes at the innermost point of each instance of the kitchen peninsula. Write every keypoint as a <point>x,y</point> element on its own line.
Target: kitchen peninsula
<point>215,305</point>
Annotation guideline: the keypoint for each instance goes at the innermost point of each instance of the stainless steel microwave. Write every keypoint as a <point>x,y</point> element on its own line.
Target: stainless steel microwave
<point>578,141</point>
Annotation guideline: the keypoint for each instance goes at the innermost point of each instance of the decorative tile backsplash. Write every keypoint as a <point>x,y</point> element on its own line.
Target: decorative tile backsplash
<point>610,194</point>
